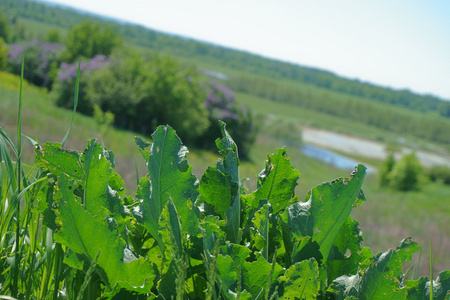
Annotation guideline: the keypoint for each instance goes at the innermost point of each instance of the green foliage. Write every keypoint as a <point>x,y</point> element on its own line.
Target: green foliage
<point>3,57</point>
<point>53,36</point>
<point>88,39</point>
<point>104,119</point>
<point>439,173</point>
<point>406,173</point>
<point>4,27</point>
<point>178,238</point>
<point>386,169</point>
<point>220,104</point>
<point>41,61</point>
<point>143,95</point>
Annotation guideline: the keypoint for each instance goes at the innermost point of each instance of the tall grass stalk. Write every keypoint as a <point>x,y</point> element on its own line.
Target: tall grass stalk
<point>75,104</point>
<point>17,253</point>
<point>431,273</point>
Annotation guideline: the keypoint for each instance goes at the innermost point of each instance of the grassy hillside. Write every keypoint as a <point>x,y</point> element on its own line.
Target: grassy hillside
<point>385,218</point>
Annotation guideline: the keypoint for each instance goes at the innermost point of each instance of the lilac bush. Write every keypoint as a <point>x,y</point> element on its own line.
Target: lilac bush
<point>220,101</point>
<point>68,72</point>
<point>221,105</point>
<point>66,83</point>
<point>41,60</point>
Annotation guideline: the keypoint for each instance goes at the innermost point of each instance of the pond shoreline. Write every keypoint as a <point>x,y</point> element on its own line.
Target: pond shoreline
<point>365,148</point>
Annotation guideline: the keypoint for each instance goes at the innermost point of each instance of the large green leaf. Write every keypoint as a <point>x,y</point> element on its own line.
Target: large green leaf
<point>88,235</point>
<point>378,277</point>
<point>215,190</point>
<point>277,182</point>
<point>301,280</point>
<point>259,276</point>
<point>229,266</point>
<point>296,233</point>
<point>169,176</point>
<point>331,204</point>
<point>230,166</point>
<point>101,182</point>
<point>54,158</point>
<point>92,170</point>
<point>347,254</point>
<point>261,223</point>
<point>420,289</point>
<point>170,231</point>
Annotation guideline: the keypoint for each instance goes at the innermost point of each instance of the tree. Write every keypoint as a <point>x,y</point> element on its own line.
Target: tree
<point>174,96</point>
<point>88,39</point>
<point>143,95</point>
<point>3,57</point>
<point>4,28</point>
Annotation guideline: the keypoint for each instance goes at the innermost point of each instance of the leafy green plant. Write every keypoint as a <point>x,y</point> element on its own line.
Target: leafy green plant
<point>184,238</point>
<point>69,231</point>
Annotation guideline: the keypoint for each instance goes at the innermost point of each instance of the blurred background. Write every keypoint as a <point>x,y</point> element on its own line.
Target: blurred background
<point>336,83</point>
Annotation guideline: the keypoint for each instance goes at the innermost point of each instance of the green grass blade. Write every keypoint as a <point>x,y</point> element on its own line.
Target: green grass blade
<point>431,273</point>
<point>416,272</point>
<point>75,104</point>
<point>17,257</point>
<point>137,172</point>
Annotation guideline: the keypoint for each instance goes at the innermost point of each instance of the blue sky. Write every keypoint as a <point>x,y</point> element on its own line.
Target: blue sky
<point>393,43</point>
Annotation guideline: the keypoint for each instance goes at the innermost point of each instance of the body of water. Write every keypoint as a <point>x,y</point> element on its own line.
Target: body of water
<point>332,158</point>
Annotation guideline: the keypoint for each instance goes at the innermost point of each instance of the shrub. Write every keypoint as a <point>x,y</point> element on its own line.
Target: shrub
<point>405,174</point>
<point>439,173</point>
<point>66,81</point>
<point>3,57</point>
<point>118,88</point>
<point>41,60</point>
<point>221,105</point>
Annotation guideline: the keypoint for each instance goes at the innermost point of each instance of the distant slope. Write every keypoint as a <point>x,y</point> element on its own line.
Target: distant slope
<point>243,61</point>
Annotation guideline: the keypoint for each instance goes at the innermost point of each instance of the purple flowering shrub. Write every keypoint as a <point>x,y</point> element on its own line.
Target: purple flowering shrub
<point>41,61</point>
<point>221,105</point>
<point>65,87</point>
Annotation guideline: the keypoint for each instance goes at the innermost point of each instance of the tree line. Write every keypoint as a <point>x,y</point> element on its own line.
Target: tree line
<point>428,126</point>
